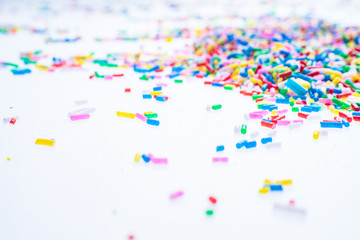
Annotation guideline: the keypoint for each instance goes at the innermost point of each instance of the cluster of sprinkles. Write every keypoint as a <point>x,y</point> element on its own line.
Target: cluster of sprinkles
<point>292,68</point>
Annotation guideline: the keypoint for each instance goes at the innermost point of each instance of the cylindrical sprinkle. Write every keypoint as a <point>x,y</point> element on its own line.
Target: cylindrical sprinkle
<point>316,134</point>
<point>220,148</point>
<point>251,144</point>
<point>125,115</point>
<point>216,107</point>
<point>153,122</point>
<point>237,129</point>
<point>176,195</point>
<point>274,145</point>
<point>254,134</point>
<point>220,159</point>
<point>241,144</point>
<point>243,129</point>
<point>79,117</point>
<point>137,157</point>
<point>290,209</point>
<point>159,160</point>
<point>266,140</point>
<point>141,117</point>
<point>45,142</point>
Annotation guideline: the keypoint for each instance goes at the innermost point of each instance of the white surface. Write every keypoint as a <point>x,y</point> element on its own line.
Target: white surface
<point>89,187</point>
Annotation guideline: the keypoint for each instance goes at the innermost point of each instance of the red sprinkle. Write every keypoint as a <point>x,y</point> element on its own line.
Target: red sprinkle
<point>212,200</point>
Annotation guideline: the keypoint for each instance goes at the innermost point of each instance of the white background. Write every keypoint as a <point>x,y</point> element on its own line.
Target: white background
<point>89,187</point>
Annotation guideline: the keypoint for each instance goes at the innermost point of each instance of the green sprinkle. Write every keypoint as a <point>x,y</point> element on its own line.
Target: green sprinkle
<point>216,107</point>
<point>209,212</point>
<point>151,115</point>
<point>340,103</point>
<point>291,103</point>
<point>144,77</point>
<point>243,129</point>
<point>351,84</point>
<point>254,97</point>
<point>178,81</point>
<point>98,76</point>
<point>295,109</point>
<point>12,64</point>
<point>228,88</point>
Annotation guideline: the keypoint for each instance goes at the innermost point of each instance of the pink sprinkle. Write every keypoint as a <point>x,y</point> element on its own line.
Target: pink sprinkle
<point>141,117</point>
<point>271,99</point>
<point>176,195</point>
<point>255,116</point>
<point>258,114</point>
<point>262,112</point>
<point>283,111</point>
<point>325,100</point>
<point>298,121</point>
<point>283,122</point>
<point>159,160</point>
<point>161,85</point>
<point>79,117</point>
<point>108,77</point>
<point>272,91</point>
<point>220,159</point>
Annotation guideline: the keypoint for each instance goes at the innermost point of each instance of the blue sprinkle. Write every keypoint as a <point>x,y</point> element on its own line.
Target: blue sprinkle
<point>250,144</point>
<point>331,124</point>
<point>295,87</point>
<point>160,98</point>
<point>345,123</point>
<point>157,88</point>
<point>276,187</point>
<point>241,144</point>
<point>266,140</point>
<point>145,158</point>
<point>147,96</point>
<point>282,100</point>
<point>220,148</point>
<point>306,109</point>
<point>216,84</point>
<point>153,122</point>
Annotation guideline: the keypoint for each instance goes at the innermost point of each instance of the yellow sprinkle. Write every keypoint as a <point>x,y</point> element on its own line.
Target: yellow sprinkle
<point>264,190</point>
<point>284,182</point>
<point>234,65</point>
<point>125,114</point>
<point>236,72</point>
<point>254,80</point>
<point>147,112</point>
<point>45,142</point>
<point>268,181</point>
<point>356,77</point>
<point>251,72</point>
<point>168,39</point>
<point>316,134</point>
<point>137,157</point>
<point>263,102</point>
<point>273,112</point>
<point>333,72</point>
<point>303,83</point>
<point>336,80</point>
<point>8,159</point>
<point>355,94</point>
<point>333,110</point>
<point>277,67</point>
<point>156,93</point>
